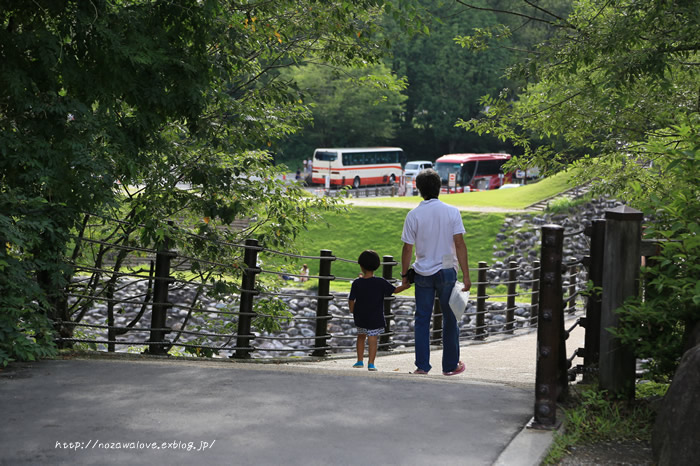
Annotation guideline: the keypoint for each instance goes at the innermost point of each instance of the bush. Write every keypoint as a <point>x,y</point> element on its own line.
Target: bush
<point>26,333</point>
<point>657,323</point>
<point>592,417</point>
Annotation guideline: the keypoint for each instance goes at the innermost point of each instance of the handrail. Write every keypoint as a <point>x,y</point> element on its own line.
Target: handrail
<point>480,322</point>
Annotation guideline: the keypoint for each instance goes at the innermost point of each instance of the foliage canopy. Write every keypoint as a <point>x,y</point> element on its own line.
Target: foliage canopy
<point>147,111</point>
<point>618,83</point>
<point>349,107</point>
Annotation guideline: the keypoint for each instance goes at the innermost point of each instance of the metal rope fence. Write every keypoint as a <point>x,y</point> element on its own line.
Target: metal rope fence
<point>251,319</point>
<point>309,329</point>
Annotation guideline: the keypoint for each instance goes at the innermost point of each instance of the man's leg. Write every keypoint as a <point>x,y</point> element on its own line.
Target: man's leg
<point>450,329</point>
<point>425,296</point>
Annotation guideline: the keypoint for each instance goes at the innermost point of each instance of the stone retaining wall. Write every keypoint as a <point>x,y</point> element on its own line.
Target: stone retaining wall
<point>518,240</point>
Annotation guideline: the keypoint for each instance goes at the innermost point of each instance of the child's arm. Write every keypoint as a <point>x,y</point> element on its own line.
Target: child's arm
<point>351,305</point>
<point>401,288</point>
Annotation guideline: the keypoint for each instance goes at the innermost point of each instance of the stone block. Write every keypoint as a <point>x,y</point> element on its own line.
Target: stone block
<point>676,434</point>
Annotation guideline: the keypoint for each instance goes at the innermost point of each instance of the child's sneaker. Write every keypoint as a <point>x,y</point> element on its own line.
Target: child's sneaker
<point>371,367</point>
<point>359,365</point>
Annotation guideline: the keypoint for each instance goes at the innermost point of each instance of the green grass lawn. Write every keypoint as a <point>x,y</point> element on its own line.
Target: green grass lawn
<point>515,198</point>
<point>347,234</point>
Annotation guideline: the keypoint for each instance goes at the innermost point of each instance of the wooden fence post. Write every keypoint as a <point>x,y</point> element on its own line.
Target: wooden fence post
<point>111,332</point>
<point>535,296</point>
<point>510,300</point>
<point>591,353</point>
<point>563,363</point>
<point>481,302</point>
<point>623,230</point>
<point>324,295</point>
<point>160,306</point>
<point>248,292</point>
<point>549,327</point>
<point>572,271</point>
<point>387,271</point>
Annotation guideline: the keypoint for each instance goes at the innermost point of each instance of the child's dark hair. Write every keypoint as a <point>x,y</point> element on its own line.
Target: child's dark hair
<point>369,260</point>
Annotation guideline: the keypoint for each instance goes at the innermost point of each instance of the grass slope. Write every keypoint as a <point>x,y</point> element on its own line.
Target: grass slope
<point>515,198</point>
<point>348,234</point>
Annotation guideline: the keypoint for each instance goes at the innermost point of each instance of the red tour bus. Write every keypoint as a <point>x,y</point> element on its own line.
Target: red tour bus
<point>474,171</point>
<point>357,167</point>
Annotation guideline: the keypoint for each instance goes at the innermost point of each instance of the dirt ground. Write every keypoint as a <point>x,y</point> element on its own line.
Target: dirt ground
<point>625,453</point>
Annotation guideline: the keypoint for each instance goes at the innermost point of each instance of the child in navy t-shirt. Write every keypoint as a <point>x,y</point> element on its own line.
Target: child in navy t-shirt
<point>366,302</point>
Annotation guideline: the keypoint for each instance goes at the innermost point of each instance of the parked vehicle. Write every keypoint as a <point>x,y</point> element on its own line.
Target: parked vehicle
<point>362,166</point>
<point>473,171</point>
<point>414,167</point>
<point>411,170</point>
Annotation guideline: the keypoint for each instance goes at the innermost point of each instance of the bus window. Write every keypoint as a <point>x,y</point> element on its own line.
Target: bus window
<point>327,156</point>
<point>489,167</point>
<point>387,157</point>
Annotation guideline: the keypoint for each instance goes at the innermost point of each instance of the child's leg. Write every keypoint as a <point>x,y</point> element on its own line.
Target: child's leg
<point>373,340</point>
<point>361,346</point>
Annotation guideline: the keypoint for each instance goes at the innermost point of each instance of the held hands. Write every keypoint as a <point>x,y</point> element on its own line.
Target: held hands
<point>404,286</point>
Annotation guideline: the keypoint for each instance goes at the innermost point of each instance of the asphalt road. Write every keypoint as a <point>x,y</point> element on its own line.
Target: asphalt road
<point>206,412</point>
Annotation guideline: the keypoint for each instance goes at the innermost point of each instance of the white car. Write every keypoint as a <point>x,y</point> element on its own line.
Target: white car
<point>411,170</point>
<point>414,167</point>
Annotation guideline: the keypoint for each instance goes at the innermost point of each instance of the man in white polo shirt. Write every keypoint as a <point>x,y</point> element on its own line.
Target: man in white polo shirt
<point>437,232</point>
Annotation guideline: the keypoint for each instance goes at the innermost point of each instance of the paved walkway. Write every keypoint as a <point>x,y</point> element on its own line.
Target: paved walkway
<point>134,410</point>
<point>510,360</point>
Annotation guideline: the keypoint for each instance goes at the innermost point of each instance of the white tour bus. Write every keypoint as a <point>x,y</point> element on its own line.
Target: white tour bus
<point>357,167</point>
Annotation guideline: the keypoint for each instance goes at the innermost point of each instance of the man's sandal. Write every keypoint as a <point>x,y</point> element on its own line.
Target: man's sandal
<point>460,368</point>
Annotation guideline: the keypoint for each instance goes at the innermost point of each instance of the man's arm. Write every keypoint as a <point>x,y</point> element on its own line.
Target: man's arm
<point>463,259</point>
<point>406,256</point>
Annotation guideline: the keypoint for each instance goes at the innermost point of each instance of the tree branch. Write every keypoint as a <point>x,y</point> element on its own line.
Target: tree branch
<point>547,12</point>
<point>515,13</point>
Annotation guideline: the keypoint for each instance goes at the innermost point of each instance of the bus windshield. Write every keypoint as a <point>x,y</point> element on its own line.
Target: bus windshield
<point>463,171</point>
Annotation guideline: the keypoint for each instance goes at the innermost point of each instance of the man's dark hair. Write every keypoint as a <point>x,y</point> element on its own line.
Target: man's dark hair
<point>429,183</point>
<point>369,260</point>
